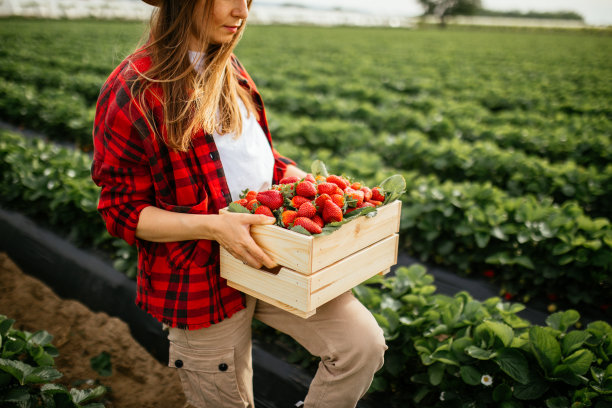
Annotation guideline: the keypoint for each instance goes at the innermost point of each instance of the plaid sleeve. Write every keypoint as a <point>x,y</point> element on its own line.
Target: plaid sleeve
<point>120,165</point>
<point>280,166</point>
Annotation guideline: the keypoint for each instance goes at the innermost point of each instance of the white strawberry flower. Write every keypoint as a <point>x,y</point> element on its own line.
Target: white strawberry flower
<point>486,380</point>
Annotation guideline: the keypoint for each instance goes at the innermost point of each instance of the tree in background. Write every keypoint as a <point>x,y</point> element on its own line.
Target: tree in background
<point>445,8</point>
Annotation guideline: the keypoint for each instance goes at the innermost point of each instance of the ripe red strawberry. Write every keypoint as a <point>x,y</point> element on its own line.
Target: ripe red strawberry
<point>308,224</point>
<point>320,201</point>
<point>377,194</point>
<point>338,199</point>
<point>287,217</point>
<point>376,203</point>
<point>327,188</point>
<point>270,198</point>
<point>367,193</point>
<point>289,180</point>
<point>251,203</point>
<point>307,210</point>
<point>306,189</point>
<point>331,212</point>
<point>319,221</point>
<point>310,177</point>
<point>356,186</point>
<point>262,209</point>
<point>337,180</point>
<point>297,201</point>
<point>251,195</point>
<point>243,202</point>
<point>366,204</point>
<point>356,195</point>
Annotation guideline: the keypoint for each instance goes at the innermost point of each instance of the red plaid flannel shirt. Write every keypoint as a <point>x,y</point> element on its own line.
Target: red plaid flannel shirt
<point>178,282</point>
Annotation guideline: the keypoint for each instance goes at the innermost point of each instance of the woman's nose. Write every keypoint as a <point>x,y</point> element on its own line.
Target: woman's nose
<point>240,9</point>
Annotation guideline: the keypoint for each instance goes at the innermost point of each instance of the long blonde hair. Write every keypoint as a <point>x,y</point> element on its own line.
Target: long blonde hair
<point>192,99</point>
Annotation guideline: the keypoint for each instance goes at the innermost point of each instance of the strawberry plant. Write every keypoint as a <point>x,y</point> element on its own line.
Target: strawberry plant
<point>27,372</point>
<point>459,352</point>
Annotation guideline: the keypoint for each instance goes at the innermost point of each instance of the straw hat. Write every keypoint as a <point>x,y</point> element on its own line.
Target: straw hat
<point>153,2</point>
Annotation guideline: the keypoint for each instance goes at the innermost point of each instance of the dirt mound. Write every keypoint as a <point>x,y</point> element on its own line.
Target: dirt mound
<point>137,380</point>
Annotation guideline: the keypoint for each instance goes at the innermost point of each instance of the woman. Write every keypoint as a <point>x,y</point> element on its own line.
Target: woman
<point>180,130</point>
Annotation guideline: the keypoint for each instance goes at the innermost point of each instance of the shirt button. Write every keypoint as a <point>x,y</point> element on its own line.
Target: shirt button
<point>212,156</point>
<point>178,363</point>
<point>222,367</point>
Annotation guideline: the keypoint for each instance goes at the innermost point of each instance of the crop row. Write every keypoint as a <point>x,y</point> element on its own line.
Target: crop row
<point>455,159</point>
<point>585,140</point>
<point>61,115</point>
<point>85,84</point>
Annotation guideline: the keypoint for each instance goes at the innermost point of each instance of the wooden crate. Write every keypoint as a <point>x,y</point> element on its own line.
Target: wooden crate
<point>308,254</point>
<point>315,270</point>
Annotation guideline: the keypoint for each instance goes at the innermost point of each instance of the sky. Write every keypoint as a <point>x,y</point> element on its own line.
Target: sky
<point>595,12</point>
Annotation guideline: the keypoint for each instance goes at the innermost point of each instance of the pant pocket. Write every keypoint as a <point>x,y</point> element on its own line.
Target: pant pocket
<point>208,376</point>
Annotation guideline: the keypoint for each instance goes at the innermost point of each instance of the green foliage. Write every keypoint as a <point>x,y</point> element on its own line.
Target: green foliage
<point>53,185</point>
<point>459,352</point>
<point>27,372</point>
<point>102,364</point>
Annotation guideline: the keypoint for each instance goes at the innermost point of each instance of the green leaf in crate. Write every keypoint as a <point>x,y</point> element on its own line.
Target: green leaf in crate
<point>563,320</point>
<point>318,168</point>
<point>300,229</point>
<point>470,374</point>
<point>513,362</point>
<point>393,186</point>
<point>545,348</point>
<point>237,208</point>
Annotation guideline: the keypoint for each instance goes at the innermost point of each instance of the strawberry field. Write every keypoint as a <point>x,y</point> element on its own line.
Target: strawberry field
<point>504,137</point>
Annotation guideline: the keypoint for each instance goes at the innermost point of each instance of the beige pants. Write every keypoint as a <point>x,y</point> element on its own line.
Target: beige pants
<point>215,364</point>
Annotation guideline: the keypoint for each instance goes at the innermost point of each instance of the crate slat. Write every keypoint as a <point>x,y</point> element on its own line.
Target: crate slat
<point>357,234</point>
<point>352,270</point>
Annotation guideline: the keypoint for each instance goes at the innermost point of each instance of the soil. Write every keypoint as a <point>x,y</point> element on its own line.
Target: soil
<point>137,380</point>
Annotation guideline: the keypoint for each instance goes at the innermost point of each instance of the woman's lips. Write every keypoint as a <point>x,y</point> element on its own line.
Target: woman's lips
<point>231,29</point>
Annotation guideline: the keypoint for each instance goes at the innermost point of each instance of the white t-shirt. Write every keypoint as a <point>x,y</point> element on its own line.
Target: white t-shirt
<point>247,160</point>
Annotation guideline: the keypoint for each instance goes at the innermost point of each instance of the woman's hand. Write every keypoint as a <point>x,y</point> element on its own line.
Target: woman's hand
<point>232,231</point>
